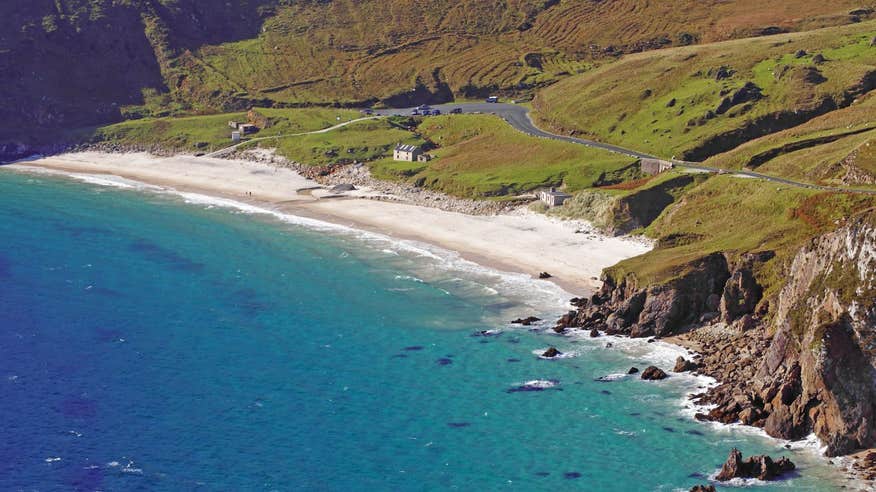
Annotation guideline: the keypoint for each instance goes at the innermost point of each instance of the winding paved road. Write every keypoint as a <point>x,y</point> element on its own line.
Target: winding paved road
<point>518,117</point>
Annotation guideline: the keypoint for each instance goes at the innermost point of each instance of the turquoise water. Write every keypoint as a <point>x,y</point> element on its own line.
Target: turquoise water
<point>152,344</point>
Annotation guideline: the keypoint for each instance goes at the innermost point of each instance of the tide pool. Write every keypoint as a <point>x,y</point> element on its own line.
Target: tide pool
<point>150,341</point>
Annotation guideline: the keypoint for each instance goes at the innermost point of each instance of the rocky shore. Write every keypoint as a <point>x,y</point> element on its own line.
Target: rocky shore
<point>799,363</point>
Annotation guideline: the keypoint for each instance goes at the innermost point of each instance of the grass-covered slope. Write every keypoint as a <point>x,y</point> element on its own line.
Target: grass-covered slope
<point>482,156</point>
<point>403,50</point>
<point>211,132</point>
<point>837,149</point>
<point>67,63</point>
<point>739,216</point>
<point>697,101</point>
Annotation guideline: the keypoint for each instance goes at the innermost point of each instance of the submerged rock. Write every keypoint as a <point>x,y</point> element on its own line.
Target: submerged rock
<point>536,385</point>
<point>653,373</point>
<point>761,467</point>
<point>633,370</point>
<point>702,488</point>
<point>551,353</point>
<point>526,321</point>
<point>594,333</point>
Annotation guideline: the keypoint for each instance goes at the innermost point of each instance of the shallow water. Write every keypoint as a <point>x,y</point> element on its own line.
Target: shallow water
<point>152,344</point>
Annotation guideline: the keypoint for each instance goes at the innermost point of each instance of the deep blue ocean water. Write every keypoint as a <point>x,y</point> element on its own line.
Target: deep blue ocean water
<point>152,344</point>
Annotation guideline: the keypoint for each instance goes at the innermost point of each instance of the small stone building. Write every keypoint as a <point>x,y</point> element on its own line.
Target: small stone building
<point>552,197</point>
<point>409,153</point>
<point>424,158</point>
<point>248,128</point>
<point>655,166</point>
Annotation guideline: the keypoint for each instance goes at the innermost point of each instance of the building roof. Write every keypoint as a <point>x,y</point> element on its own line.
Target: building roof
<point>406,148</point>
<point>555,193</point>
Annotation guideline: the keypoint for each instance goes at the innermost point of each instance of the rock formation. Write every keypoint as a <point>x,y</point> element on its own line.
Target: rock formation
<point>761,467</point>
<point>684,365</point>
<point>653,373</point>
<point>551,353</point>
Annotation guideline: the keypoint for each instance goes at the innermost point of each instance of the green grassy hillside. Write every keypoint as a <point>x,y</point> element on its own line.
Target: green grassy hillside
<point>481,156</point>
<point>738,216</point>
<point>697,101</point>
<point>68,63</point>
<point>837,149</point>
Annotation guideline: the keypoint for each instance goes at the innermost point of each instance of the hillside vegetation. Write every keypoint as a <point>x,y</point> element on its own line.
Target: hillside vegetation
<point>837,149</point>
<point>737,217</point>
<point>482,156</point>
<point>694,102</point>
<point>69,63</point>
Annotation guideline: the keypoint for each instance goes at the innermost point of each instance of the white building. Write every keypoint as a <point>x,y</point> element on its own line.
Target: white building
<point>408,153</point>
<point>235,136</point>
<point>552,197</point>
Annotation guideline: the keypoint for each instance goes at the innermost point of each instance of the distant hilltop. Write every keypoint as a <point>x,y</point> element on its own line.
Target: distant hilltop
<point>70,63</point>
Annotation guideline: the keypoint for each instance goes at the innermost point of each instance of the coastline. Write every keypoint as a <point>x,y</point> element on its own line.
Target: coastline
<point>481,239</point>
<point>520,241</point>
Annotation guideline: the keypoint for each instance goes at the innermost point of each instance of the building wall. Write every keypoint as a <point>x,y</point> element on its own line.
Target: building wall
<point>655,166</point>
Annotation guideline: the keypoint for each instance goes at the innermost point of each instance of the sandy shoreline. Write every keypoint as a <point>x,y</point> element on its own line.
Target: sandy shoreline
<point>520,242</point>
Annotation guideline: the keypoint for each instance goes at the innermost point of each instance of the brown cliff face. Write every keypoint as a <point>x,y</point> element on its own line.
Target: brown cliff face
<point>823,354</point>
<point>811,368</point>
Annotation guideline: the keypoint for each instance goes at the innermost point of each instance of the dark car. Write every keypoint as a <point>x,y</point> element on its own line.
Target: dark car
<point>436,112</point>
<point>456,111</point>
<point>368,111</point>
<point>427,112</point>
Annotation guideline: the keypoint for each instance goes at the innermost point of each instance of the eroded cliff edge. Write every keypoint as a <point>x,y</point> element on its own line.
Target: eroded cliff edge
<point>796,362</point>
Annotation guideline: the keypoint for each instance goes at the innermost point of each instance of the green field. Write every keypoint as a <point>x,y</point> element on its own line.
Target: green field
<point>211,132</point>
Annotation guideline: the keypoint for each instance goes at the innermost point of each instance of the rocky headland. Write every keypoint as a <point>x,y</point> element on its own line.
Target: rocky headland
<point>800,362</point>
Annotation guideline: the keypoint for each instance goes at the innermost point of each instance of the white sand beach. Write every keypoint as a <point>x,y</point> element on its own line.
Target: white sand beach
<point>521,242</point>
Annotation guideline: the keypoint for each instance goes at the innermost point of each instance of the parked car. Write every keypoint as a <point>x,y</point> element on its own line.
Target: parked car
<point>456,111</point>
<point>427,112</point>
<point>436,112</point>
<point>368,111</point>
<point>493,99</point>
<point>415,112</point>
<point>423,107</point>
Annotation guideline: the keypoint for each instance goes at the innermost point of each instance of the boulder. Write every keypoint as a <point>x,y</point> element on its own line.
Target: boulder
<point>594,333</point>
<point>684,365</point>
<point>702,488</point>
<point>567,321</point>
<point>341,188</point>
<point>633,370</point>
<point>800,54</point>
<point>525,321</point>
<point>551,353</point>
<point>544,275</point>
<point>750,415</point>
<point>653,373</point>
